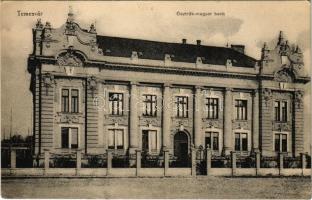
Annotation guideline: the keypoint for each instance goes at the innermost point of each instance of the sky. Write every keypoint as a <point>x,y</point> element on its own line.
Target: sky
<point>247,23</point>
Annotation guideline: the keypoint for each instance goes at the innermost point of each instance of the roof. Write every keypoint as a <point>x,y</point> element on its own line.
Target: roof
<point>123,47</point>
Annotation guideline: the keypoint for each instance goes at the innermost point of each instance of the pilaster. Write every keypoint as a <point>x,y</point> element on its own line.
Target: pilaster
<point>198,117</point>
<point>133,118</point>
<point>166,116</point>
<point>228,141</point>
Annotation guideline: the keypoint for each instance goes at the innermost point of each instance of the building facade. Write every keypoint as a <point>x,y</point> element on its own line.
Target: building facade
<point>94,93</point>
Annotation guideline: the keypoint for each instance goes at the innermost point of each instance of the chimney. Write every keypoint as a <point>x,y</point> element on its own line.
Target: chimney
<point>183,41</point>
<point>239,48</point>
<point>198,42</point>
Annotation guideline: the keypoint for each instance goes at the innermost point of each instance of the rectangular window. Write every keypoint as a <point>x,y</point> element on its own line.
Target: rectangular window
<point>212,106</point>
<point>212,140</point>
<point>284,111</point>
<point>182,106</point>
<point>74,100</point>
<point>149,140</point>
<point>116,103</point>
<point>241,109</point>
<point>241,142</point>
<point>111,139</point>
<point>65,100</point>
<point>280,142</point>
<point>74,138</point>
<point>153,140</point>
<point>115,139</point>
<point>277,142</point>
<point>244,142</point>
<point>284,143</point>
<point>69,137</point>
<point>149,105</point>
<point>65,137</point>
<point>145,140</point>
<point>280,111</point>
<point>237,142</point>
<point>119,139</point>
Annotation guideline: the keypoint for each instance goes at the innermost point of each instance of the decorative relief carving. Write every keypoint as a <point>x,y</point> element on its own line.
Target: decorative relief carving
<point>69,118</point>
<point>154,121</point>
<point>120,120</point>
<point>178,122</point>
<point>281,126</point>
<point>299,98</point>
<point>48,80</point>
<point>267,95</point>
<point>208,123</point>
<point>92,83</point>
<point>69,59</point>
<point>284,75</point>
<point>241,125</point>
<point>70,28</point>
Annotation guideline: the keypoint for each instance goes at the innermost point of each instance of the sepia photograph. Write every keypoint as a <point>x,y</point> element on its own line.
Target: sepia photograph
<point>155,99</point>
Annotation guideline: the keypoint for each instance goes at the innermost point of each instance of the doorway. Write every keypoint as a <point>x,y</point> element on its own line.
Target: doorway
<point>181,147</point>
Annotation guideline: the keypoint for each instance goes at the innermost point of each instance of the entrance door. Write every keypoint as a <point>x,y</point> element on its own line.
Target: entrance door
<point>181,148</point>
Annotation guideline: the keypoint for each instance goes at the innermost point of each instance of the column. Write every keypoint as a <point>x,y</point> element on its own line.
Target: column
<point>255,121</point>
<point>166,162</point>
<point>13,158</point>
<point>258,164</point>
<point>166,116</point>
<point>46,159</point>
<point>208,160</point>
<point>198,118</point>
<point>228,143</point>
<point>138,162</point>
<point>193,161</point>
<point>233,162</point>
<point>133,118</point>
<point>109,157</point>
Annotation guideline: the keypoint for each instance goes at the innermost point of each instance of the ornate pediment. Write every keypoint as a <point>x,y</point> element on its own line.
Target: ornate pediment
<point>69,58</point>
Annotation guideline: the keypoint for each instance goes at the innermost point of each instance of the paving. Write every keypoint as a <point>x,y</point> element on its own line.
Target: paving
<point>199,187</point>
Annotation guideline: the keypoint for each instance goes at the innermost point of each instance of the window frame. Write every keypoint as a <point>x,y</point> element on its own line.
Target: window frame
<point>281,112</point>
<point>149,144</point>
<point>281,142</point>
<point>70,137</point>
<point>240,133</point>
<point>70,100</point>
<point>213,132</point>
<point>208,104</point>
<point>115,131</point>
<point>111,106</point>
<point>151,103</point>
<point>240,108</point>
<point>185,111</point>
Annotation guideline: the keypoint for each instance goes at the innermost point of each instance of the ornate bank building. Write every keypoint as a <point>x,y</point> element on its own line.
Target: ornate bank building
<point>99,93</point>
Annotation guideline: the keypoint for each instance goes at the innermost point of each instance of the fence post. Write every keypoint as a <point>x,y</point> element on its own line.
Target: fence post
<point>258,160</point>
<point>281,162</point>
<point>13,158</point>
<point>78,161</point>
<point>233,162</point>
<point>138,161</point>
<point>193,159</point>
<point>109,161</point>
<point>46,159</point>
<point>166,162</point>
<point>208,160</point>
<point>303,162</point>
